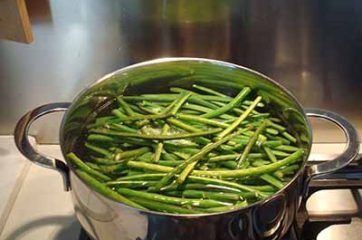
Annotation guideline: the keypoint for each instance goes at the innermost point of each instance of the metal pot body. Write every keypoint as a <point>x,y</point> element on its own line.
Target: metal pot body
<point>105,219</point>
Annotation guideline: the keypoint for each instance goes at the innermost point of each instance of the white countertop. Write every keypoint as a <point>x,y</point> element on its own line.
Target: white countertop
<point>34,206</point>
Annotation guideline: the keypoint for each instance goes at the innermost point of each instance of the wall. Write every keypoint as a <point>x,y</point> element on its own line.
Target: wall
<point>311,47</point>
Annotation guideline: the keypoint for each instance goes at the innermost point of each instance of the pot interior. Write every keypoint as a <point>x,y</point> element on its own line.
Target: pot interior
<point>158,75</point>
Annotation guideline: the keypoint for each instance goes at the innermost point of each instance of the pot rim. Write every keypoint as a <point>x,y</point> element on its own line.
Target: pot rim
<point>207,60</point>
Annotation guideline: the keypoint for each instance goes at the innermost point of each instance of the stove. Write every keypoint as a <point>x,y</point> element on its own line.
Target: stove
<point>33,204</point>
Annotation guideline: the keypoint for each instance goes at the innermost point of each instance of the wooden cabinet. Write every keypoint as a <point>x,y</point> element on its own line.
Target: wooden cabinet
<point>14,21</point>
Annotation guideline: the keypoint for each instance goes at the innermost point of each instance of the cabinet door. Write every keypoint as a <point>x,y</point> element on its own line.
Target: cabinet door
<point>14,21</point>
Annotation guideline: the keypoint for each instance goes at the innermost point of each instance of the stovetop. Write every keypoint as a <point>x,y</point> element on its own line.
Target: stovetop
<point>33,204</point>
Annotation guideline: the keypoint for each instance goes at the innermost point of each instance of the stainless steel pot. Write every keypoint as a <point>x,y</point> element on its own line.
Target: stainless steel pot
<point>106,219</point>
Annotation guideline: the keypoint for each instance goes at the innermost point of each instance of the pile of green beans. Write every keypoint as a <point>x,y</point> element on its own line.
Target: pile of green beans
<point>188,151</point>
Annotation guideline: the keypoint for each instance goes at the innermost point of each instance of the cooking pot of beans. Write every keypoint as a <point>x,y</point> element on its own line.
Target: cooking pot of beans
<point>186,148</point>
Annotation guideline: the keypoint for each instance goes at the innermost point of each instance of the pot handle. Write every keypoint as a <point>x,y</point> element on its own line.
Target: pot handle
<point>24,146</point>
<point>352,146</point>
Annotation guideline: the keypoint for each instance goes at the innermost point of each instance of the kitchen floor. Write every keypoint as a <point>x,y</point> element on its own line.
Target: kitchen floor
<point>34,206</point>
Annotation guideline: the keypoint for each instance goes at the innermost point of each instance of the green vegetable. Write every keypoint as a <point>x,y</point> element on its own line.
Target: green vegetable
<point>81,165</point>
<point>188,151</point>
<point>100,187</point>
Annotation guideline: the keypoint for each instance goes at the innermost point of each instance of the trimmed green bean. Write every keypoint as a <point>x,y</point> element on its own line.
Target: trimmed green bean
<point>100,187</point>
<point>156,137</point>
<point>125,106</point>
<point>251,142</point>
<point>219,196</point>
<point>228,208</point>
<point>252,171</point>
<point>236,123</point>
<point>88,170</point>
<point>162,207</point>
<point>242,94</point>
<point>272,180</point>
<point>270,154</point>
<point>286,148</point>
<point>203,203</point>
<point>179,102</point>
<point>159,146</point>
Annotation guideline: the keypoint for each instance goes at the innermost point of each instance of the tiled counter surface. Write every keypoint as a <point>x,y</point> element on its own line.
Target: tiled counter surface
<point>34,206</point>
<point>41,209</point>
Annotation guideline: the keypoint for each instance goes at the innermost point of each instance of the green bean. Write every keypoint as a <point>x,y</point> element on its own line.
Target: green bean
<point>169,163</point>
<point>236,123</point>
<point>100,138</point>
<point>131,153</point>
<point>284,141</point>
<point>170,97</point>
<point>159,146</point>
<point>187,150</point>
<point>103,161</point>
<point>286,148</point>
<point>182,155</point>
<point>81,165</point>
<point>280,153</point>
<point>251,143</point>
<point>94,166</point>
<point>289,137</point>
<point>201,120</point>
<point>185,172</point>
<point>252,171</point>
<point>290,169</point>
<point>183,125</point>
<point>273,143</point>
<point>205,150</point>
<point>210,91</point>
<point>227,208</point>
<point>219,196</point>
<point>155,137</point>
<point>206,110</point>
<point>146,157</point>
<point>146,176</point>
<point>125,106</point>
<point>102,121</point>
<point>259,162</point>
<point>171,200</point>
<point>225,183</point>
<point>206,187</point>
<point>100,187</point>
<point>180,101</point>
<point>235,110</point>
<point>277,126</point>
<point>279,174</point>
<point>168,156</point>
<point>169,107</point>
<point>272,180</point>
<point>98,150</point>
<point>131,184</point>
<point>107,169</point>
<point>242,94</point>
<point>264,188</point>
<point>234,157</point>
<point>123,128</point>
<point>149,166</point>
<point>162,207</point>
<point>125,118</point>
<point>199,101</point>
<point>195,97</point>
<point>272,131</point>
<point>230,164</point>
<point>270,154</point>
